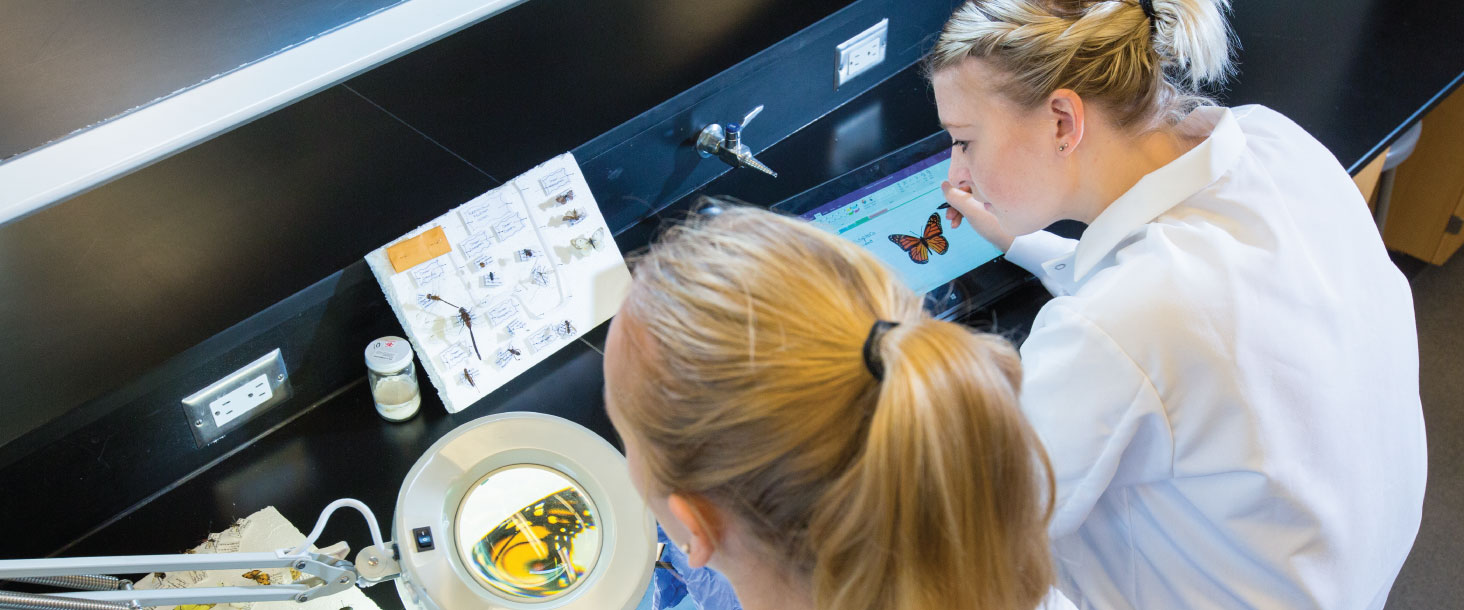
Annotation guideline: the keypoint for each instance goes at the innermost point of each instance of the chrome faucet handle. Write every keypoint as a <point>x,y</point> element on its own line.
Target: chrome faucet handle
<point>751,115</point>
<point>726,144</point>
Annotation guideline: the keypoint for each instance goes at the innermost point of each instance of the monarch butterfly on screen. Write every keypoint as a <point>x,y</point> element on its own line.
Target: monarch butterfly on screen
<point>919,247</point>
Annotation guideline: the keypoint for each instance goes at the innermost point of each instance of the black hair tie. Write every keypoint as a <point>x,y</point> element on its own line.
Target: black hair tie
<point>1148,6</point>
<point>871,347</point>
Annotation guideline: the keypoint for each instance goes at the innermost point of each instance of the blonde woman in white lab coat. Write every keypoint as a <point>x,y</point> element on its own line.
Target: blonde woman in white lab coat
<point>1227,377</point>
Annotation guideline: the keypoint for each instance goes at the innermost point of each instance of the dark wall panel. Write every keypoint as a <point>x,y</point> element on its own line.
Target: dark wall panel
<point>548,75</point>
<point>114,282</point>
<point>104,287</point>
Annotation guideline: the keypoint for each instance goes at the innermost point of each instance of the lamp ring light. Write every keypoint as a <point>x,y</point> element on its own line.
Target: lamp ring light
<point>522,511</point>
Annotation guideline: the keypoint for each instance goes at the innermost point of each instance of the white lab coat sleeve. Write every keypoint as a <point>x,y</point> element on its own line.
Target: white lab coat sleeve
<point>1095,410</point>
<point>1030,251</point>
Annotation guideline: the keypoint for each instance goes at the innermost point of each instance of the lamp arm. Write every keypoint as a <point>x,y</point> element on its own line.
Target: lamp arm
<point>329,574</point>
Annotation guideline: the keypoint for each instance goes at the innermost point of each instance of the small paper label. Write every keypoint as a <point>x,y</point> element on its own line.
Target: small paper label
<point>475,245</point>
<point>453,356</point>
<point>507,226</point>
<point>541,339</point>
<point>516,327</point>
<point>554,180</point>
<point>479,214</point>
<point>427,274</point>
<point>502,313</point>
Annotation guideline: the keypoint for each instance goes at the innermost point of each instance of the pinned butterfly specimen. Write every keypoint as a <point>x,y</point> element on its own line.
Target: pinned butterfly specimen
<point>563,198</point>
<point>573,217</point>
<point>257,576</point>
<point>591,243</point>
<point>919,248</point>
<point>532,552</point>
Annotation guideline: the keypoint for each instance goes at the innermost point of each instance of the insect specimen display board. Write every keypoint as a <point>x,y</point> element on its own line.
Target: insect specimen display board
<point>495,286</point>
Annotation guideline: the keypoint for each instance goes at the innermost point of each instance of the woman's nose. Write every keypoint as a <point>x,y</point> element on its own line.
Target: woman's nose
<point>959,175</point>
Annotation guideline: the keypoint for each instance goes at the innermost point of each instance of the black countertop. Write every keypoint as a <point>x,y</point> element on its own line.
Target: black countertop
<point>1354,78</point>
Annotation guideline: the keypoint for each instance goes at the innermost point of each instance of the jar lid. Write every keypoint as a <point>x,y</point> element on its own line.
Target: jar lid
<point>388,355</point>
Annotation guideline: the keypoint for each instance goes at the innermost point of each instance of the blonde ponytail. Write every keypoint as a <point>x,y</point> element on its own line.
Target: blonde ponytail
<point>1146,70</point>
<point>924,490</point>
<point>951,478</point>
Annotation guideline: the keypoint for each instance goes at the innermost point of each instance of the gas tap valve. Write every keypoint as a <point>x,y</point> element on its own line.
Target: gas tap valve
<point>726,144</point>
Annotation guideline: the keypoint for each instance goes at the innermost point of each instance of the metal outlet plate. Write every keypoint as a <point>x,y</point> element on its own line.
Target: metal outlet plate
<point>862,52</point>
<point>229,402</point>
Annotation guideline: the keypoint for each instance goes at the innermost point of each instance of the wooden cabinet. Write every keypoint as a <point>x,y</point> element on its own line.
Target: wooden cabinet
<point>1367,178</point>
<point>1426,216</point>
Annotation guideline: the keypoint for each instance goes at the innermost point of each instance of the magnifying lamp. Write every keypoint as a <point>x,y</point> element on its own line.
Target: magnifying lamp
<point>515,511</point>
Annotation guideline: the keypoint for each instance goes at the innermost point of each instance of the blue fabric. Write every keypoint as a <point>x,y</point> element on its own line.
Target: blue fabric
<point>689,588</point>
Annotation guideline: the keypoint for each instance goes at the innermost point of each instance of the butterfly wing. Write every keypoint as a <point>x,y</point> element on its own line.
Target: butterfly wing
<point>932,227</point>
<point>921,253</point>
<point>933,237</point>
<point>914,246</point>
<point>905,242</point>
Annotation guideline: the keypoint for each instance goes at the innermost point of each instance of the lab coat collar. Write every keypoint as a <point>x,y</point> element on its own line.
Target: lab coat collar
<point>1165,187</point>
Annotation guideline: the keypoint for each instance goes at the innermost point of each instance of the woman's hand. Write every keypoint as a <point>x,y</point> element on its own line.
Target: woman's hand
<point>963,205</point>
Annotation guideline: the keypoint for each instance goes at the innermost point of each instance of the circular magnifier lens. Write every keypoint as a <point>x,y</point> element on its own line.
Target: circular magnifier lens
<point>528,532</point>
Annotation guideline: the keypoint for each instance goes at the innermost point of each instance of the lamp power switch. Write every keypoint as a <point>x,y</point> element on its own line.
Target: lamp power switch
<point>423,537</point>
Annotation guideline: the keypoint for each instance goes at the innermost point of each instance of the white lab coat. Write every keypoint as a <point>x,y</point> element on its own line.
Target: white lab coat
<point>1227,384</point>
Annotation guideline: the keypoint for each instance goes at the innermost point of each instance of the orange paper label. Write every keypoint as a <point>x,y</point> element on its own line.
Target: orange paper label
<point>414,251</point>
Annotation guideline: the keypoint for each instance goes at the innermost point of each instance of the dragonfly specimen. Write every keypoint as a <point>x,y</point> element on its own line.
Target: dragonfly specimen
<point>465,316</point>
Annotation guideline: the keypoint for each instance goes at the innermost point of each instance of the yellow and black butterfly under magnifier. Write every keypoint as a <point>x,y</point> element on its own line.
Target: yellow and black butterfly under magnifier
<point>514,511</point>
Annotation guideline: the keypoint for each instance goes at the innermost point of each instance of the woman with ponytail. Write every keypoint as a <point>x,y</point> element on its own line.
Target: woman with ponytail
<point>1227,378</point>
<point>795,420</point>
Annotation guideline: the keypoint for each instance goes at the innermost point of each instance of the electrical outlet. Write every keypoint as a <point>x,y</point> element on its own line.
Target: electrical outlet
<point>227,403</point>
<point>231,406</point>
<point>860,53</point>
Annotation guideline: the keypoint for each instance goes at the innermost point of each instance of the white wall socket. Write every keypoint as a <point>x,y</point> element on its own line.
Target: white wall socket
<point>862,52</point>
<point>229,402</point>
<point>230,406</point>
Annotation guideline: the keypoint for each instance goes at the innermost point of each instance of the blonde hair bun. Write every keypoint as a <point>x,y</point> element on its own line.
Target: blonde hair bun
<point>1195,37</point>
<point>1108,51</point>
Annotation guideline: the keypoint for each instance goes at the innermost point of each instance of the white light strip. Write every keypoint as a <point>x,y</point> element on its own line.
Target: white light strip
<point>76,163</point>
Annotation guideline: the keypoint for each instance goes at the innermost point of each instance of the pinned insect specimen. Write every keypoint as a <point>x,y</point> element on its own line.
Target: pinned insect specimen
<point>257,576</point>
<point>565,197</point>
<point>492,280</point>
<point>591,243</point>
<point>572,217</point>
<point>526,254</point>
<point>465,316</point>
<point>468,375</point>
<point>565,329</point>
<point>539,276</point>
<point>506,356</point>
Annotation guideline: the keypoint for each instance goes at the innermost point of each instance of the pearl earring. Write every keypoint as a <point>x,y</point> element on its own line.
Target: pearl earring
<point>1062,148</point>
<point>685,548</point>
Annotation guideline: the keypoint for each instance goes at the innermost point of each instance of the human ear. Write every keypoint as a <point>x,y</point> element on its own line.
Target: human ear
<point>700,519</point>
<point>1065,108</point>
